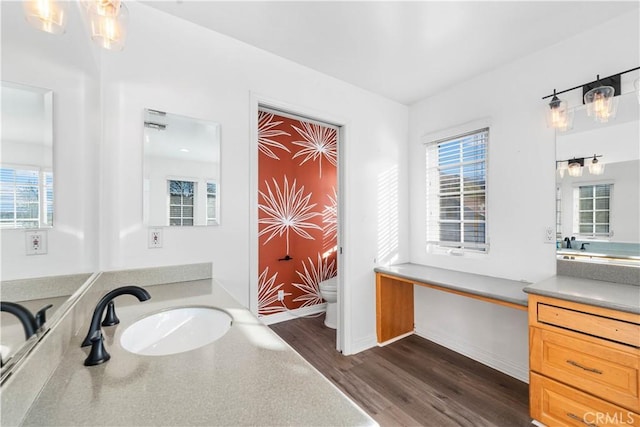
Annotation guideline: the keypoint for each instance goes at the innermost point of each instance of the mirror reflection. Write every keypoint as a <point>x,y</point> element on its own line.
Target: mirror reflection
<point>598,202</point>
<point>181,170</point>
<point>26,170</point>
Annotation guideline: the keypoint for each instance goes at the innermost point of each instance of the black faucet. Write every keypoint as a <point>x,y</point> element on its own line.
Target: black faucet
<point>23,314</point>
<point>30,323</point>
<point>568,242</point>
<point>94,338</point>
<point>582,248</point>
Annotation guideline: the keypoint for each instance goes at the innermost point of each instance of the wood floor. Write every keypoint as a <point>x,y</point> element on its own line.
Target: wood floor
<point>413,382</point>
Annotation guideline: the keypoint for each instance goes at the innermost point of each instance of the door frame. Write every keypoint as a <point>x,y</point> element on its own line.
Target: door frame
<point>304,112</point>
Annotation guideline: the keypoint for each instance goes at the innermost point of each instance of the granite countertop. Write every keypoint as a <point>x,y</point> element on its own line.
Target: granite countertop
<point>598,293</point>
<point>250,376</point>
<point>471,283</point>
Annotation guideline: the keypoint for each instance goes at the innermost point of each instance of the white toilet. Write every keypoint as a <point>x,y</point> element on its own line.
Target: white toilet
<point>329,292</point>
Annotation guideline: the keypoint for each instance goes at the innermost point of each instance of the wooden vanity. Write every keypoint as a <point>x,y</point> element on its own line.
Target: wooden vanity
<point>584,358</point>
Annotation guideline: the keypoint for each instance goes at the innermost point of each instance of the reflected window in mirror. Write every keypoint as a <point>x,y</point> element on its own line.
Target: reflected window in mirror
<point>591,217</point>
<point>181,170</point>
<point>26,171</point>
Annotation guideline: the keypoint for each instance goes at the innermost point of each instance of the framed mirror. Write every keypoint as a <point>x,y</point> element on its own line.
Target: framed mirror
<point>598,202</point>
<point>181,170</point>
<point>26,168</point>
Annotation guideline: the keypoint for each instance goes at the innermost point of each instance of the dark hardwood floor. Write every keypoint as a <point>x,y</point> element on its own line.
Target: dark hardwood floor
<point>413,382</point>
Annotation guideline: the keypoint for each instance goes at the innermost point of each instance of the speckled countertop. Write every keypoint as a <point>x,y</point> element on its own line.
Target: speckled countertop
<point>598,293</point>
<point>247,377</point>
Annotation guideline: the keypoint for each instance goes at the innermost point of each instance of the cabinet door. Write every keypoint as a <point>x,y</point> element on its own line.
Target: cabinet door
<point>557,405</point>
<point>599,370</point>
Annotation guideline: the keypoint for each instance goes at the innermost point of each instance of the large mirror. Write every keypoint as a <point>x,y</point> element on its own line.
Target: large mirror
<point>598,203</point>
<point>181,170</point>
<point>26,167</point>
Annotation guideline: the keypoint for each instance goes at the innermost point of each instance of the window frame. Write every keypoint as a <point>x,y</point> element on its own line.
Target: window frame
<point>43,202</point>
<point>438,246</point>
<point>577,211</point>
<point>181,205</point>
<point>216,219</point>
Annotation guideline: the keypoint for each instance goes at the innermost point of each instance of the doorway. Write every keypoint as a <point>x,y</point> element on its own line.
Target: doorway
<point>297,214</point>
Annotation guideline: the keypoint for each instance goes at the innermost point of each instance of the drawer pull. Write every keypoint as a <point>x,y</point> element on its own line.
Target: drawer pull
<point>577,365</point>
<point>577,418</point>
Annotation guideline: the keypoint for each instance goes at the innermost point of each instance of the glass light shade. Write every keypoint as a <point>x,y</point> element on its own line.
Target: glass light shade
<point>601,103</point>
<point>558,115</point>
<point>595,167</point>
<point>108,25</point>
<point>574,169</point>
<point>561,167</point>
<point>47,15</point>
<point>103,7</point>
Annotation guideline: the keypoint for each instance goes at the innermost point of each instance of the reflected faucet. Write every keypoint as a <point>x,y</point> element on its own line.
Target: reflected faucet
<point>568,242</point>
<point>582,248</point>
<point>23,314</point>
<point>98,353</point>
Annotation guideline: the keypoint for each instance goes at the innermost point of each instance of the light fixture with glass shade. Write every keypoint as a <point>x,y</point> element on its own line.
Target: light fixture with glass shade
<point>107,19</point>
<point>108,23</point>
<point>601,102</point>
<point>574,167</point>
<point>47,15</point>
<point>559,116</point>
<point>595,167</point>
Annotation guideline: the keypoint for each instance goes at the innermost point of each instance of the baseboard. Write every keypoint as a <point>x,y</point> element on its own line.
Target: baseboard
<point>476,353</point>
<point>283,316</point>
<point>361,344</point>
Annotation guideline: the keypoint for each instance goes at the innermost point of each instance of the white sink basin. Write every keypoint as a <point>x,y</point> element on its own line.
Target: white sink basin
<point>175,331</point>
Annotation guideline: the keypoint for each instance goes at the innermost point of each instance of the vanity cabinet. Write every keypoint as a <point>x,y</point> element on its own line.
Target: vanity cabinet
<point>584,364</point>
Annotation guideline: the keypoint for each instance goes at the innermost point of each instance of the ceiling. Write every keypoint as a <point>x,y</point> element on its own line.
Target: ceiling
<point>404,51</point>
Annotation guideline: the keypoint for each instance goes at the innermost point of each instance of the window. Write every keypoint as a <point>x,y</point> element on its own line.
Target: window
<point>592,210</point>
<point>456,191</point>
<point>26,197</point>
<point>181,202</point>
<point>212,194</point>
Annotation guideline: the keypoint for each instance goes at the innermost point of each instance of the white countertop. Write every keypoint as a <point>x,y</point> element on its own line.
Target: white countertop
<point>250,376</point>
<point>598,293</point>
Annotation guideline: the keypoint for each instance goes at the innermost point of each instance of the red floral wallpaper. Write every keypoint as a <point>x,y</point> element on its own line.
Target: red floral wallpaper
<point>297,216</point>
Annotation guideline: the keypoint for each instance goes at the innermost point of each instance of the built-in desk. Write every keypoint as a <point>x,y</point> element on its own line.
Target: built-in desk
<point>394,294</point>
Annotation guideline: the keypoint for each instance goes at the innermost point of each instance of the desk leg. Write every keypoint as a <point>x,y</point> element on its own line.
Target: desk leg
<point>394,307</point>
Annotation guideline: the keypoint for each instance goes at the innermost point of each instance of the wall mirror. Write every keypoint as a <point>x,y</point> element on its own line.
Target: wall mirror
<point>181,170</point>
<point>26,169</point>
<point>598,206</point>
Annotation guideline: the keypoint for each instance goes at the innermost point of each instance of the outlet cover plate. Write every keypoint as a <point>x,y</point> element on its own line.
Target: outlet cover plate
<point>155,238</point>
<point>36,242</point>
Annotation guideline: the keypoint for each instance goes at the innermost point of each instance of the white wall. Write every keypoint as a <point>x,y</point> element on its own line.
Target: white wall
<point>66,66</point>
<point>521,195</point>
<point>175,66</point>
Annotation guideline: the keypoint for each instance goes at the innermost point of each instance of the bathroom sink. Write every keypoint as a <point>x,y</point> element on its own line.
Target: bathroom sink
<point>175,331</point>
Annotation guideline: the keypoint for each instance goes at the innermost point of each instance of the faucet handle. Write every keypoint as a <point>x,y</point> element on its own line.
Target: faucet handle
<point>41,315</point>
<point>98,353</point>
<point>110,318</point>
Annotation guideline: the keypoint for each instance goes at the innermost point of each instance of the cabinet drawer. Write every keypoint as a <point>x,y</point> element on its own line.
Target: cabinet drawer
<point>605,372</point>
<point>555,404</point>
<point>599,326</point>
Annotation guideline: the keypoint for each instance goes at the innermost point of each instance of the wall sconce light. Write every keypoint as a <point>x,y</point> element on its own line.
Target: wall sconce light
<point>595,167</point>
<point>599,96</point>
<point>108,23</point>
<point>558,115</point>
<point>600,99</point>
<point>47,15</point>
<point>574,167</point>
<point>107,19</point>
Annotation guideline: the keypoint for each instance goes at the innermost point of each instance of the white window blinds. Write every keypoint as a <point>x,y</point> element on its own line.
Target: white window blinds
<point>456,191</point>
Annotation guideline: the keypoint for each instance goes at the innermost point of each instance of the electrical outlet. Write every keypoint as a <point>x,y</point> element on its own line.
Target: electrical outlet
<point>36,242</point>
<point>155,238</point>
<point>549,235</point>
<point>280,295</point>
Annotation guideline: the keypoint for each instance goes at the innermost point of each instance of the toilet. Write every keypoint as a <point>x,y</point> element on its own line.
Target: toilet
<point>329,292</point>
